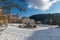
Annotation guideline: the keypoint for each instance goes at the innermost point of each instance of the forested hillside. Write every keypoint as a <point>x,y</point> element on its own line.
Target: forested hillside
<point>46,18</point>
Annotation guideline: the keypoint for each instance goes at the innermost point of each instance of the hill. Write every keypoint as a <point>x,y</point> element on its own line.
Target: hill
<point>47,18</point>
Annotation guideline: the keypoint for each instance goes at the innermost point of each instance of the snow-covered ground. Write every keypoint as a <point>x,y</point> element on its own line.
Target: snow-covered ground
<point>42,32</point>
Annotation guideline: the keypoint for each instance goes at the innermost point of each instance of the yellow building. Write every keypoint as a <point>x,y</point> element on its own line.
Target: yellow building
<point>10,18</point>
<point>13,18</point>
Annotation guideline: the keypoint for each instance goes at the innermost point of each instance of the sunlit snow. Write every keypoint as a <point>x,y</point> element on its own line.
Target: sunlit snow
<point>42,32</point>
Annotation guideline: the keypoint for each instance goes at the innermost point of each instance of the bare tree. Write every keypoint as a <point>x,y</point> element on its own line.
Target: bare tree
<point>8,4</point>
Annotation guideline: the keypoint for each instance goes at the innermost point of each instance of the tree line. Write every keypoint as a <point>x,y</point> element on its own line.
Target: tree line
<point>53,19</point>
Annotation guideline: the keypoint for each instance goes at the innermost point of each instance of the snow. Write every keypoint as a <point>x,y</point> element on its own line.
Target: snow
<point>49,32</point>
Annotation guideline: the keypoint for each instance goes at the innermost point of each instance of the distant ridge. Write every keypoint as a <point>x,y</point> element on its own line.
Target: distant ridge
<point>43,17</point>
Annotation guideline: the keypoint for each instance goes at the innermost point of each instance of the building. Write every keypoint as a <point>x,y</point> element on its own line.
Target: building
<point>13,18</point>
<point>10,18</point>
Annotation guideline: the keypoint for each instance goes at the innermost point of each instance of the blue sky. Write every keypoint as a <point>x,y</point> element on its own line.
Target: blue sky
<point>55,8</point>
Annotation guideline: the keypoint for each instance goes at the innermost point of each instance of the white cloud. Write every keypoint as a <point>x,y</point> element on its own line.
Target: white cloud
<point>41,4</point>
